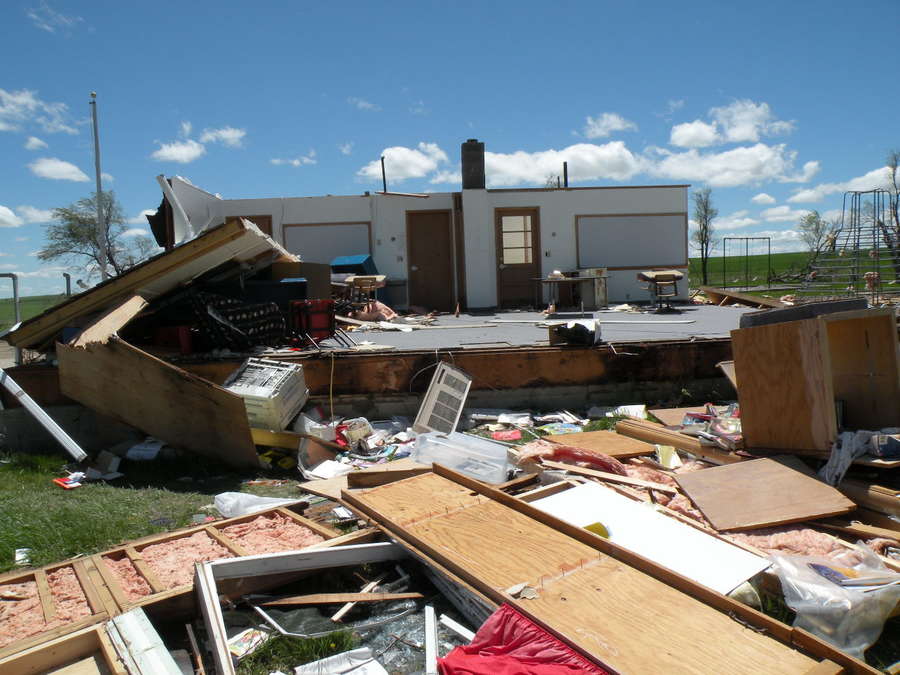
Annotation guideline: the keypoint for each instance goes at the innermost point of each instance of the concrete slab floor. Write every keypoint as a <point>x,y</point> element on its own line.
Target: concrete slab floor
<point>706,321</point>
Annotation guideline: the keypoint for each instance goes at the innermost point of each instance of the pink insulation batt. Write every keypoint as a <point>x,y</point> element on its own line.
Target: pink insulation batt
<point>272,533</point>
<point>134,586</point>
<point>21,614</point>
<point>173,561</point>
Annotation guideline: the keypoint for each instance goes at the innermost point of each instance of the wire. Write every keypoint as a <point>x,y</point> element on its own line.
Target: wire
<point>331,389</point>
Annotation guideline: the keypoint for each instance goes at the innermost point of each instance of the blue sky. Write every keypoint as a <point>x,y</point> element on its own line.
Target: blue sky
<point>778,107</point>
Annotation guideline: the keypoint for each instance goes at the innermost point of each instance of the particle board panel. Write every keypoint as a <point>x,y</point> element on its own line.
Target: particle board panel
<point>672,417</point>
<point>605,607</point>
<point>608,442</point>
<point>786,396</point>
<point>760,493</point>
<point>127,384</point>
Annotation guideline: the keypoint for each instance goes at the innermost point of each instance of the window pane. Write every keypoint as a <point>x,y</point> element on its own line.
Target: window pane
<point>513,239</point>
<point>513,223</point>
<point>515,256</point>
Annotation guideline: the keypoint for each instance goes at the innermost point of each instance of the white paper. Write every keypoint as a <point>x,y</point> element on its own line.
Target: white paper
<point>636,526</point>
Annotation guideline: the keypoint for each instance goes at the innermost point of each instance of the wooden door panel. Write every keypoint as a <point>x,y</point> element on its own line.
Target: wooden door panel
<point>429,249</point>
<point>518,255</point>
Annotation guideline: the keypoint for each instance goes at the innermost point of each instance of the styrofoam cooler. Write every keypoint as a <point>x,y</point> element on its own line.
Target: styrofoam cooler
<point>273,391</point>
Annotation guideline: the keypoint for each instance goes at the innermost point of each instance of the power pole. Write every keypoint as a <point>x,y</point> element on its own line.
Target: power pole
<point>101,230</point>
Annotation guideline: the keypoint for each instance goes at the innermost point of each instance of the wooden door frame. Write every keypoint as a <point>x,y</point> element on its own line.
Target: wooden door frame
<point>499,212</point>
<point>451,235</point>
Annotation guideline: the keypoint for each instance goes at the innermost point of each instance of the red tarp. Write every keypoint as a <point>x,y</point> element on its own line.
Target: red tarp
<point>510,644</point>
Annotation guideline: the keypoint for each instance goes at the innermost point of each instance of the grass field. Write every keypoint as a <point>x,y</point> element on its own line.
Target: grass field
<point>28,306</point>
<point>756,267</point>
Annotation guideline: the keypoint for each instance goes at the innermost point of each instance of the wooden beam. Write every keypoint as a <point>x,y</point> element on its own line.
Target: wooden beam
<point>106,325</point>
<point>368,588</point>
<point>145,570</point>
<point>613,477</point>
<point>338,598</point>
<point>367,479</point>
<point>721,296</point>
<point>654,433</point>
<point>46,598</point>
<point>230,544</point>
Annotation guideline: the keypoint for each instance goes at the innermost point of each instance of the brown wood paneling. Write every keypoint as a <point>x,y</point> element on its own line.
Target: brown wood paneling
<point>516,281</point>
<point>429,255</point>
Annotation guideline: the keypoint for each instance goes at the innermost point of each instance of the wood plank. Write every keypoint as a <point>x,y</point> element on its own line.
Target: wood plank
<point>111,321</point>
<point>366,479</point>
<point>43,589</point>
<point>654,433</point>
<point>59,651</point>
<point>111,582</point>
<point>129,385</point>
<point>579,587</point>
<point>800,416</point>
<point>368,588</point>
<point>863,494</point>
<point>319,528</point>
<point>727,296</point>
<point>760,493</point>
<point>613,477</point>
<point>338,598</point>
<point>332,487</point>
<point>672,417</point>
<point>90,593</point>
<point>608,442</point>
<point>104,592</point>
<point>291,440</point>
<point>196,654</point>
<point>225,541</point>
<point>826,667</point>
<point>727,368</point>
<point>145,570</point>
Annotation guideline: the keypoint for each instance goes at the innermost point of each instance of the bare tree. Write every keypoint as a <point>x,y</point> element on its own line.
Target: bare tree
<point>702,238</point>
<point>890,232</point>
<point>75,237</point>
<point>817,234</point>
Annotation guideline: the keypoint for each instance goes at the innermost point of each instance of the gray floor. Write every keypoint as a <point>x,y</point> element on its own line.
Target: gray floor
<point>707,321</point>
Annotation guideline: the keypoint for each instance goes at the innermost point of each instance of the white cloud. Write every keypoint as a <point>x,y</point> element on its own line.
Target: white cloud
<point>763,198</point>
<point>136,232</point>
<point>31,214</point>
<point>309,158</point>
<point>228,136</point>
<point>186,129</point>
<point>418,108</point>
<point>587,161</point>
<point>10,267</point>
<point>876,178</point>
<point>782,240</point>
<point>20,239</point>
<point>346,148</point>
<point>696,134</point>
<point>362,104</point>
<point>447,177</point>
<point>57,169</point>
<point>735,221</point>
<point>747,121</point>
<point>34,143</point>
<point>20,107</point>
<point>402,163</point>
<point>605,124</point>
<point>738,166</point>
<point>48,19</point>
<point>179,151</point>
<point>108,177</point>
<point>810,169</point>
<point>672,106</point>
<point>8,218</point>
<point>782,213</point>
<point>141,218</point>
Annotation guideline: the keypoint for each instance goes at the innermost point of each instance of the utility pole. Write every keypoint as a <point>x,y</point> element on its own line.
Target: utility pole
<point>101,230</point>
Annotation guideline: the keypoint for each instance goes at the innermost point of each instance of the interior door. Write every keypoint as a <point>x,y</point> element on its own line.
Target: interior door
<point>429,252</point>
<point>518,256</point>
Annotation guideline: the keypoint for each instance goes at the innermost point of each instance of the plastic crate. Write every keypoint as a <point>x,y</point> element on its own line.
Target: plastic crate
<point>313,317</point>
<point>273,391</point>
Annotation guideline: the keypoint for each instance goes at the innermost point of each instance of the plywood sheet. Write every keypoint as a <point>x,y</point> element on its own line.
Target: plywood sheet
<point>785,389</point>
<point>603,606</point>
<point>129,385</point>
<point>608,442</point>
<point>760,493</point>
<point>672,417</point>
<point>332,487</point>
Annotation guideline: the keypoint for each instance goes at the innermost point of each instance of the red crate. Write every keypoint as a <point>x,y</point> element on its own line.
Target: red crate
<point>313,317</point>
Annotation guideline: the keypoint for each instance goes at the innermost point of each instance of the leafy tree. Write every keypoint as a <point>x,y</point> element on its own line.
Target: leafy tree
<point>890,232</point>
<point>76,239</point>
<point>702,238</point>
<point>817,234</point>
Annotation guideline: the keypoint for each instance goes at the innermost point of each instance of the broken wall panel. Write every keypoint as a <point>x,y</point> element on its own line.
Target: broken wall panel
<point>161,400</point>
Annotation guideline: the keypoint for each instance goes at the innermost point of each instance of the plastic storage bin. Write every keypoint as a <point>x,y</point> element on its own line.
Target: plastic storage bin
<point>273,391</point>
<point>477,458</point>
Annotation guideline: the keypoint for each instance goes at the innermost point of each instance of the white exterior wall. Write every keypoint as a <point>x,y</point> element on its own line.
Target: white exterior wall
<point>558,209</point>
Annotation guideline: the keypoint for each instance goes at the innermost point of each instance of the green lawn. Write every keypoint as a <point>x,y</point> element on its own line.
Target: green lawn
<point>783,264</point>
<point>29,306</point>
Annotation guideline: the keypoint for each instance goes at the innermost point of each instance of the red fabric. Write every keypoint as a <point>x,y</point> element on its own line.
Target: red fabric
<point>510,644</point>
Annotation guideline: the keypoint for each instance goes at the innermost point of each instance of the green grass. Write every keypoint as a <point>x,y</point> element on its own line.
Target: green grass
<point>153,497</point>
<point>29,306</point>
<point>734,266</point>
<point>285,653</point>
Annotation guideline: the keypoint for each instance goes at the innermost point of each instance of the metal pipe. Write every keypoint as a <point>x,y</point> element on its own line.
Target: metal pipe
<point>101,233</point>
<point>68,284</point>
<point>383,175</point>
<point>18,314</point>
<point>565,174</point>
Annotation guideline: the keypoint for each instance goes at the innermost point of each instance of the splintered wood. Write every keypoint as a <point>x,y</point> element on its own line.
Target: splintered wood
<point>603,606</point>
<point>760,493</point>
<point>22,613</point>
